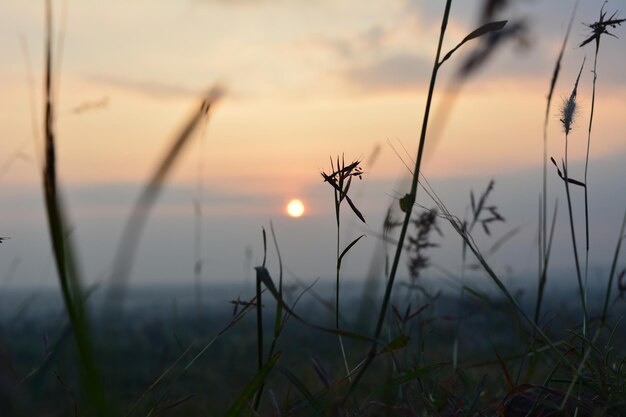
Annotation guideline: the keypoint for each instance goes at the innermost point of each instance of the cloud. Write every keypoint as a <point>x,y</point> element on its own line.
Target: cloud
<point>397,71</point>
<point>366,42</point>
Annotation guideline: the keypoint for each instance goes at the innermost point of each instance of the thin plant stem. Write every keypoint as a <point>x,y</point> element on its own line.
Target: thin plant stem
<point>593,101</point>
<point>409,208</point>
<point>613,268</point>
<point>416,171</point>
<point>338,268</point>
<point>198,220</point>
<point>544,268</point>
<point>543,217</point>
<point>63,251</point>
<point>581,288</point>
<point>259,323</point>
<point>337,265</point>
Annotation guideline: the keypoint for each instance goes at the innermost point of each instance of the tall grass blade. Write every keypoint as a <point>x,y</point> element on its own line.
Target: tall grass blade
<point>543,279</point>
<point>483,30</point>
<point>125,255</point>
<point>63,252</point>
<point>253,386</point>
<point>411,196</point>
<point>279,307</point>
<point>259,322</point>
<point>609,286</point>
<point>266,279</point>
<point>553,80</point>
<point>314,403</point>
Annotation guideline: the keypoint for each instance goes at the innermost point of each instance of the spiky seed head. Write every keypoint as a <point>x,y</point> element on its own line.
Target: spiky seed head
<point>568,108</point>
<point>568,113</point>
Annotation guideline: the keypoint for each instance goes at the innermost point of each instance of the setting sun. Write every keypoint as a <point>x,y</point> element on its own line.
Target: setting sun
<point>295,208</point>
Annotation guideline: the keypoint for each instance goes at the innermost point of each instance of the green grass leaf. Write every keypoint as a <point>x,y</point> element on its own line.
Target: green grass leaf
<point>252,387</point>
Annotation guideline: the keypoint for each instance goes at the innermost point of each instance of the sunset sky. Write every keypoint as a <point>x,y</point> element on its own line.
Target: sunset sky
<point>303,80</point>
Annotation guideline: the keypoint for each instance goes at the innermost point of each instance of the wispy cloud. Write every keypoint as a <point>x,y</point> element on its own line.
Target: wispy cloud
<point>351,46</point>
<point>402,70</point>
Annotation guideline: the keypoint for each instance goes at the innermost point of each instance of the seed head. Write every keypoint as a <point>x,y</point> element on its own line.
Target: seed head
<point>340,178</point>
<point>568,109</point>
<point>600,27</point>
<point>568,113</point>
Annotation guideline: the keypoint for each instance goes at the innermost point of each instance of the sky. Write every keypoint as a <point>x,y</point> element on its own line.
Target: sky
<point>303,81</point>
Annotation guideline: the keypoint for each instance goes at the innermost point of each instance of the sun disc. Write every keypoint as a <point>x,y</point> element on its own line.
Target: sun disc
<point>295,208</point>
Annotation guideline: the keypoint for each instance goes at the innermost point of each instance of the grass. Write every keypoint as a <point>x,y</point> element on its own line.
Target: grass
<point>340,179</point>
<point>404,366</point>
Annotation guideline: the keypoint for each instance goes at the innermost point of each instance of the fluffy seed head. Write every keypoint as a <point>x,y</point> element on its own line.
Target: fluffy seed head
<point>568,108</point>
<point>568,113</point>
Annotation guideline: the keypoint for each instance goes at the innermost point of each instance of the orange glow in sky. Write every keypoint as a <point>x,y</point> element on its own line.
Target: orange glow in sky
<point>303,81</point>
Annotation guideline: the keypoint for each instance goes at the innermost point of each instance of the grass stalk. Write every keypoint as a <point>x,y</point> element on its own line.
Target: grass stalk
<point>598,29</point>
<point>135,224</point>
<point>337,272</point>
<point>544,200</point>
<point>581,288</point>
<point>340,178</point>
<point>259,323</point>
<point>591,112</point>
<point>338,269</point>
<point>69,280</point>
<point>544,268</point>
<point>411,198</point>
<point>278,321</point>
<point>613,269</point>
<point>198,267</point>
<point>568,115</point>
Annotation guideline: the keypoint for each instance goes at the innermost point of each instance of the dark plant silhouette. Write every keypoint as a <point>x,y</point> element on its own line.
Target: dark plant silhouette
<point>600,27</point>
<point>420,242</point>
<point>340,178</point>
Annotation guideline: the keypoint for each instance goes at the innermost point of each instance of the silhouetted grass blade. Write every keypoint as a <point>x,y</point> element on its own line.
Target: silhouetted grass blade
<point>347,249</point>
<point>314,403</point>
<point>136,221</point>
<point>265,277</point>
<point>483,30</point>
<point>253,386</point>
<point>69,280</point>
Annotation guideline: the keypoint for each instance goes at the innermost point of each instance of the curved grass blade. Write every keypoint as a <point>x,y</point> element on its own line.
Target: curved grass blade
<point>354,209</point>
<point>310,398</point>
<point>405,378</point>
<point>252,387</point>
<point>613,268</point>
<point>483,30</point>
<point>345,251</point>
<point>399,342</point>
<point>247,308</point>
<point>136,221</point>
<point>321,372</point>
<point>264,275</point>
<point>553,80</point>
<point>69,279</point>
